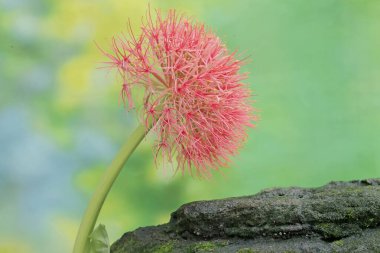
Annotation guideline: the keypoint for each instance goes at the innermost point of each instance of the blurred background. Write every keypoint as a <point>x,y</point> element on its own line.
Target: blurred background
<point>315,69</point>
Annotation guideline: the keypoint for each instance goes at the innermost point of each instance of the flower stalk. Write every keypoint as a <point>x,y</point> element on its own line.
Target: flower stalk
<point>92,212</point>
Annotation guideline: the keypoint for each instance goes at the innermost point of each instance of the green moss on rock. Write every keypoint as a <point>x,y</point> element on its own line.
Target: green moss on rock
<point>164,248</point>
<point>245,250</point>
<point>203,247</point>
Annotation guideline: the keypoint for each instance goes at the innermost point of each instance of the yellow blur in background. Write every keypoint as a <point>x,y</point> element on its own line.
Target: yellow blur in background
<point>314,70</point>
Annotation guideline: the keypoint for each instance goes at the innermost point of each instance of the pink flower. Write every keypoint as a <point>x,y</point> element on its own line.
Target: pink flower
<point>193,90</point>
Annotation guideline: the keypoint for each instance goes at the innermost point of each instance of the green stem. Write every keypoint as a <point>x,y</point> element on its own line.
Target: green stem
<point>89,219</point>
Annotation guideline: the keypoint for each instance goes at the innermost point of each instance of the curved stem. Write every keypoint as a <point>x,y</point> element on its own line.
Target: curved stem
<point>89,219</point>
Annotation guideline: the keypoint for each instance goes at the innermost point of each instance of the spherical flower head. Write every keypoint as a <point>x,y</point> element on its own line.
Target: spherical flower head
<point>193,90</point>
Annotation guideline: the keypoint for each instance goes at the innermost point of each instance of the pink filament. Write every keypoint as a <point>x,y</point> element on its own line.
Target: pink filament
<point>205,108</point>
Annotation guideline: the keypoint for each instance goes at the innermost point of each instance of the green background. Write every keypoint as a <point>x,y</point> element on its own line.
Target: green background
<point>314,69</point>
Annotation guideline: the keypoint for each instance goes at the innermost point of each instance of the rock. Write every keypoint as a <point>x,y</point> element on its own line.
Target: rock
<point>338,217</point>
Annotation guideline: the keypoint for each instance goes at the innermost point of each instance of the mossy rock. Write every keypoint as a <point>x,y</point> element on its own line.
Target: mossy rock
<point>338,217</point>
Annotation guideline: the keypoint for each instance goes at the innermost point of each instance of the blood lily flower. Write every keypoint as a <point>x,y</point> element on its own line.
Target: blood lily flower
<point>193,90</point>
<point>194,99</point>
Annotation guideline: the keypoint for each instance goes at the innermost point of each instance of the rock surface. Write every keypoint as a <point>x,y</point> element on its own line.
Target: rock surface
<point>338,217</point>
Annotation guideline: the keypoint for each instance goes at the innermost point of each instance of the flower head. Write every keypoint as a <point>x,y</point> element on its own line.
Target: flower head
<point>193,90</point>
